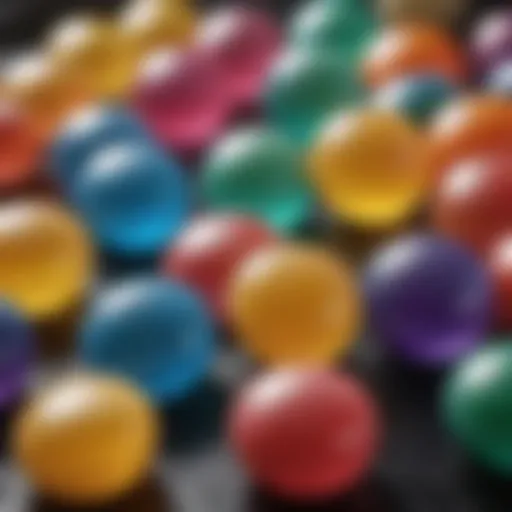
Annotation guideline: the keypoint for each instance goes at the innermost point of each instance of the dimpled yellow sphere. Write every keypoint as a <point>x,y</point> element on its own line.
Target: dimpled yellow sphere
<point>46,258</point>
<point>44,90</point>
<point>95,51</point>
<point>294,303</point>
<point>85,439</point>
<point>370,168</point>
<point>152,24</point>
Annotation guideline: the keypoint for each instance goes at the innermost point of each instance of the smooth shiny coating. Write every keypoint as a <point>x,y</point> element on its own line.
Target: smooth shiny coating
<point>294,303</point>
<point>303,89</point>
<point>499,262</point>
<point>244,42</point>
<point>133,198</point>
<point>468,127</point>
<point>85,440</point>
<point>417,97</point>
<point>370,167</point>
<point>499,80</point>
<point>88,130</point>
<point>154,24</point>
<point>46,91</point>
<point>305,434</point>
<point>208,251</point>
<point>413,48</point>
<point>476,404</point>
<point>20,147</point>
<point>46,258</point>
<point>150,331</point>
<point>17,353</point>
<point>342,27</point>
<point>182,98</point>
<point>96,52</point>
<point>491,40</point>
<point>472,203</point>
<point>429,301</point>
<point>259,172</point>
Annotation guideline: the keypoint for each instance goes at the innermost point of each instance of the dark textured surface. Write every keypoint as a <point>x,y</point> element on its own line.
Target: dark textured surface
<point>419,469</point>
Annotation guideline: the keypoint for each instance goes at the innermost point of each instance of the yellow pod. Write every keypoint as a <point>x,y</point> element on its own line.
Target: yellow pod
<point>153,24</point>
<point>370,168</point>
<point>85,439</point>
<point>294,303</point>
<point>46,258</point>
<point>96,52</point>
<point>45,90</point>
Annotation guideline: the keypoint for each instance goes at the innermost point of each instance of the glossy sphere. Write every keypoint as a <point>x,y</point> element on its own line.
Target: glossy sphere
<point>477,406</point>
<point>472,203</point>
<point>303,88</point>
<point>258,172</point>
<point>243,42</point>
<point>46,260</point>
<point>417,97</point>
<point>369,167</point>
<point>181,98</point>
<point>88,130</point>
<point>428,300</point>
<point>133,199</point>
<point>151,331</point>
<point>154,24</point>
<point>44,90</point>
<point>16,354</point>
<point>293,303</point>
<point>342,27</point>
<point>305,434</point>
<point>96,52</point>
<point>468,127</point>
<point>499,262</point>
<point>491,42</point>
<point>411,49</point>
<point>209,250</point>
<point>439,12</point>
<point>86,439</point>
<point>500,79</point>
<point>20,148</point>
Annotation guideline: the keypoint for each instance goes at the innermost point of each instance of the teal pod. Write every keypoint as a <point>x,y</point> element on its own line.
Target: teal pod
<point>304,88</point>
<point>477,406</point>
<point>417,97</point>
<point>257,171</point>
<point>341,26</point>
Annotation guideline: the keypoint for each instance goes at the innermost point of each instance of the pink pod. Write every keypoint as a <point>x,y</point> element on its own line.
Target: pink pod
<point>244,42</point>
<point>180,95</point>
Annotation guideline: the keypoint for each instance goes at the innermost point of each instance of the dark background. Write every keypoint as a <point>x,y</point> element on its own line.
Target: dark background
<point>419,469</point>
<point>24,21</point>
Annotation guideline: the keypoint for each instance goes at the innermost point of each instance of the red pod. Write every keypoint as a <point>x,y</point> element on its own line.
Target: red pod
<point>500,267</point>
<point>20,148</point>
<point>473,203</point>
<point>210,249</point>
<point>306,434</point>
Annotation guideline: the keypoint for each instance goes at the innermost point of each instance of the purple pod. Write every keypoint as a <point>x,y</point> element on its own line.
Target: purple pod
<point>491,40</point>
<point>16,354</point>
<point>429,300</point>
